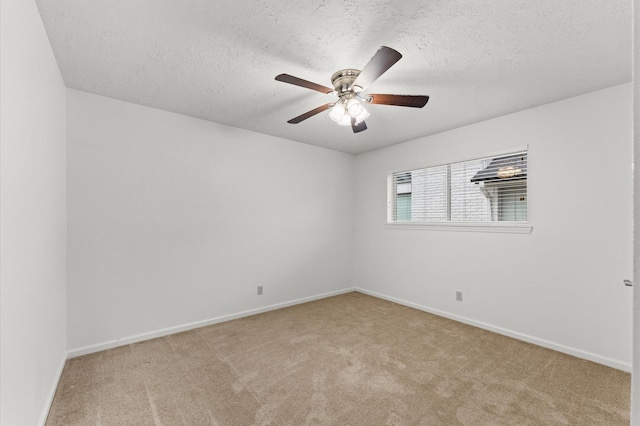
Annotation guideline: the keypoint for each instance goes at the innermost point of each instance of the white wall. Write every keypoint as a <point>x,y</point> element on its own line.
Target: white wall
<point>32,217</point>
<point>174,220</point>
<point>561,285</point>
<point>635,391</point>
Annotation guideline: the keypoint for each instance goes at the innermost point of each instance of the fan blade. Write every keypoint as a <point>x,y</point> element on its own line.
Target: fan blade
<point>358,127</point>
<point>413,101</point>
<point>309,114</point>
<point>383,59</point>
<point>286,78</point>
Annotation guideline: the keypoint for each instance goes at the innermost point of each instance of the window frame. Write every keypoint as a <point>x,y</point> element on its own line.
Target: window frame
<point>493,226</point>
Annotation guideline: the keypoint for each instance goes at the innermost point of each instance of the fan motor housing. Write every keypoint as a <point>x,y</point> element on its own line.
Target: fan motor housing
<point>343,80</point>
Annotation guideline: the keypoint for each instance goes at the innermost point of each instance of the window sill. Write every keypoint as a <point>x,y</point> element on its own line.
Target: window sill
<point>511,228</point>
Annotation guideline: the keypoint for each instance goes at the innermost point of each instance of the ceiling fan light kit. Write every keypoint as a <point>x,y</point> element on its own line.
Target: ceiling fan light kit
<point>348,84</point>
<point>343,112</point>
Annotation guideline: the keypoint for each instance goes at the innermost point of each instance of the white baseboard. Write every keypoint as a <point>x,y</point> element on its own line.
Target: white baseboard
<point>190,326</point>
<point>52,394</point>
<point>614,363</point>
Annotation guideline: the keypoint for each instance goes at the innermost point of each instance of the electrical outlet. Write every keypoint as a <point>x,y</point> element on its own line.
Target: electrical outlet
<point>259,290</point>
<point>459,296</point>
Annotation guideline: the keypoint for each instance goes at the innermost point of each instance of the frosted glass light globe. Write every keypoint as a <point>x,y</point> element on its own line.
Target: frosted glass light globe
<point>337,112</point>
<point>354,107</point>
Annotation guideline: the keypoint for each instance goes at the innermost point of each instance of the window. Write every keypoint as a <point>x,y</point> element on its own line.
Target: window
<point>492,189</point>
<point>403,197</point>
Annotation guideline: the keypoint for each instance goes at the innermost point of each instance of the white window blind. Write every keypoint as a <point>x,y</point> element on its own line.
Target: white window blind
<point>491,189</point>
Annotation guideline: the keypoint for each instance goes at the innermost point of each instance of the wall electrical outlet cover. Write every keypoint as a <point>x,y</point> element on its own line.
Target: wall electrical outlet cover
<point>459,296</point>
<point>259,290</point>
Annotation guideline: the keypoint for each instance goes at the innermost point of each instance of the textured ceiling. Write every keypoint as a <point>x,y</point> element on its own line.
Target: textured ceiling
<point>217,59</point>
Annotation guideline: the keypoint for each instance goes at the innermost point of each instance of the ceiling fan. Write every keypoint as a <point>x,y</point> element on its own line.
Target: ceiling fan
<point>348,85</point>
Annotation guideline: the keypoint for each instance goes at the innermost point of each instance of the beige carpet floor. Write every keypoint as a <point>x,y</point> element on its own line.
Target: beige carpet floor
<point>345,360</point>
